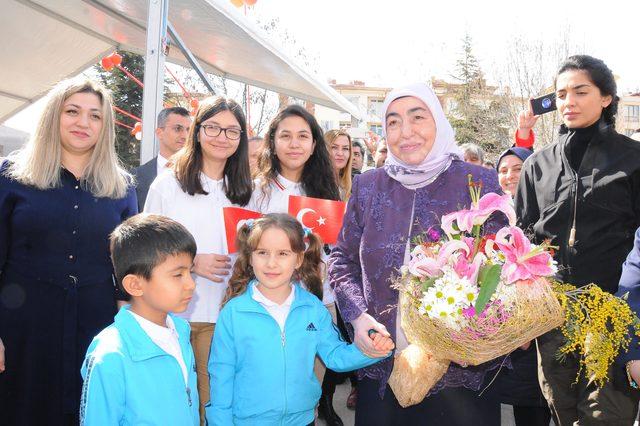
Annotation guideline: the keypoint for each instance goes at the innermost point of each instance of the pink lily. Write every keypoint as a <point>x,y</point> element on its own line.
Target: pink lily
<point>466,267</point>
<point>424,264</point>
<point>523,261</point>
<point>479,212</point>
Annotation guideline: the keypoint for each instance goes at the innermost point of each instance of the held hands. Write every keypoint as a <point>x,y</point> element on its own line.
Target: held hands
<point>212,266</point>
<point>361,327</point>
<point>526,121</point>
<point>380,342</point>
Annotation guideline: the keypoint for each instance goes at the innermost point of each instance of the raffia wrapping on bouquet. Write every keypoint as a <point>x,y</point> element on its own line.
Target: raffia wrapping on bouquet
<point>415,372</point>
<point>536,310</point>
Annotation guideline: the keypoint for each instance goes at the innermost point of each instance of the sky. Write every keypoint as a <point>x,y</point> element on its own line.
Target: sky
<point>394,42</point>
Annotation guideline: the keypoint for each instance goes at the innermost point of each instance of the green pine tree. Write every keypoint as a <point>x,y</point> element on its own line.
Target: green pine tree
<point>475,116</point>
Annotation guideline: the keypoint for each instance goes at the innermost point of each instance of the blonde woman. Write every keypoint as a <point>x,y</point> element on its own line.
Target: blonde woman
<point>60,198</point>
<point>340,148</point>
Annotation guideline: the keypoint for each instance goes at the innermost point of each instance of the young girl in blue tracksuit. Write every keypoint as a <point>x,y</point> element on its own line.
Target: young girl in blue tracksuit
<point>271,327</point>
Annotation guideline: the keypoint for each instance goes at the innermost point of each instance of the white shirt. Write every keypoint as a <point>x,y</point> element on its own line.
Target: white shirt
<point>202,216</point>
<point>161,163</point>
<point>277,201</point>
<point>165,337</point>
<point>278,312</point>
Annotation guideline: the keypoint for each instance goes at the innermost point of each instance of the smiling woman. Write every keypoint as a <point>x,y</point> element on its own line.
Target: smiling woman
<point>423,179</point>
<point>60,198</point>
<point>210,172</point>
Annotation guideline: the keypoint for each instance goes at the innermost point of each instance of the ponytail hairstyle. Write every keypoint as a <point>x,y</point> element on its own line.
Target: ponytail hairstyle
<point>601,76</point>
<point>248,238</point>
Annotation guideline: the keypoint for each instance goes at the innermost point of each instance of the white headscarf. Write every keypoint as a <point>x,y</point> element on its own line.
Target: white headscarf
<point>444,148</point>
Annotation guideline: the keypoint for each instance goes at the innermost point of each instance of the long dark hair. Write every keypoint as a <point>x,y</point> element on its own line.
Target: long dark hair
<point>318,178</point>
<point>248,238</point>
<point>601,76</point>
<point>237,176</point>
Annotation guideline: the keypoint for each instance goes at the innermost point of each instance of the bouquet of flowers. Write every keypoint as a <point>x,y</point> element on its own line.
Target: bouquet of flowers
<point>468,298</point>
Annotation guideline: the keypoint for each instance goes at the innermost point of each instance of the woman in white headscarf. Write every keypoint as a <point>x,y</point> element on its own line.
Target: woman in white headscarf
<point>423,178</point>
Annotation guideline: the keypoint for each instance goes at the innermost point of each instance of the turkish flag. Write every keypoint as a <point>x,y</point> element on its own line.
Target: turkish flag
<point>323,217</point>
<point>234,218</point>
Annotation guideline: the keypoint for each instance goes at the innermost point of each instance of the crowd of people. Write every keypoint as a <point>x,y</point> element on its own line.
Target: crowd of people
<point>108,316</point>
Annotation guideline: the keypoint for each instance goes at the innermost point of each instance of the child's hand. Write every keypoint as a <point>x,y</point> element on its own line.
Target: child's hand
<point>381,343</point>
<point>1,356</point>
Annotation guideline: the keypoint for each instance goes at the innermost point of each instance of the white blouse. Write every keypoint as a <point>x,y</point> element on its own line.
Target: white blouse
<point>202,216</point>
<point>277,201</point>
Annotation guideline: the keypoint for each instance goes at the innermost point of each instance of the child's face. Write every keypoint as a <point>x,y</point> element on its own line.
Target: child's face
<point>171,286</point>
<point>273,261</point>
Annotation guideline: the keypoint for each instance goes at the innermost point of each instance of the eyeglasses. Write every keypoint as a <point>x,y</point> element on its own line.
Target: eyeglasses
<point>178,128</point>
<point>213,131</point>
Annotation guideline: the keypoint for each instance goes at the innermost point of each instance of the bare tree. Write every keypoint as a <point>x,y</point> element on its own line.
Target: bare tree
<point>528,72</point>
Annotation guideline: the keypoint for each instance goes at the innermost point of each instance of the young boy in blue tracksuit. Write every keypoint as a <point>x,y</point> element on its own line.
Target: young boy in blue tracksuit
<point>141,369</point>
<point>271,327</point>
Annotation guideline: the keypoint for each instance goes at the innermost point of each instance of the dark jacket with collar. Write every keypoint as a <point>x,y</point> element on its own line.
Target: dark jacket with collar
<point>600,201</point>
<point>145,174</point>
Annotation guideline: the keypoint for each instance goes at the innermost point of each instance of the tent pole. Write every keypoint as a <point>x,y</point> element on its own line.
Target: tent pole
<point>190,58</point>
<point>155,54</point>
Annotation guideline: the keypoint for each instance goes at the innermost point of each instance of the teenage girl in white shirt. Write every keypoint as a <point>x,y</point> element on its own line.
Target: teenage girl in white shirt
<point>210,172</point>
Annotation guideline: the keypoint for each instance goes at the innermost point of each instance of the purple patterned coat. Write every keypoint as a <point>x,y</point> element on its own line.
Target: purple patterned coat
<point>372,243</point>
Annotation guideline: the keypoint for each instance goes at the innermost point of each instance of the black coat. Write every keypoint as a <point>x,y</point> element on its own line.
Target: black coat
<point>601,201</point>
<point>145,174</point>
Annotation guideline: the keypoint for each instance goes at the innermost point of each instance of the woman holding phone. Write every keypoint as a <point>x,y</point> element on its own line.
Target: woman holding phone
<point>583,194</point>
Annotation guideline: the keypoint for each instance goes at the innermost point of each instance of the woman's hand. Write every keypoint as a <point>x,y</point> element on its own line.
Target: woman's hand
<point>526,121</point>
<point>212,266</point>
<point>1,356</point>
<point>634,370</point>
<point>361,327</point>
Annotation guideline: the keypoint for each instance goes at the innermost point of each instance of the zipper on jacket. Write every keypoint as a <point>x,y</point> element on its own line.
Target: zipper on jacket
<point>572,232</point>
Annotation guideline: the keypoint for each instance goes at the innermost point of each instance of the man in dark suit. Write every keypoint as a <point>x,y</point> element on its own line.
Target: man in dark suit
<point>172,131</point>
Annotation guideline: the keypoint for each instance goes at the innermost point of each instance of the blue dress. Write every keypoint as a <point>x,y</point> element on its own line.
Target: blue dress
<point>56,292</point>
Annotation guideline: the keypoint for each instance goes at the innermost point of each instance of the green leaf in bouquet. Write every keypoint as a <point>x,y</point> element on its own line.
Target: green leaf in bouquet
<point>488,279</point>
<point>426,284</point>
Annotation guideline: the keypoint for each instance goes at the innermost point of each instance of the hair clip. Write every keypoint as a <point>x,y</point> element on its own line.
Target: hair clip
<point>306,231</point>
<point>249,224</point>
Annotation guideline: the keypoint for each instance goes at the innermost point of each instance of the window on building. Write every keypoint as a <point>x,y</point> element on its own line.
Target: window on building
<point>375,107</point>
<point>376,128</point>
<point>632,113</point>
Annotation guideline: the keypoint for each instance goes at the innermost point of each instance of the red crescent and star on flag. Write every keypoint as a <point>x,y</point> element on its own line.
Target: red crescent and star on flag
<point>323,217</point>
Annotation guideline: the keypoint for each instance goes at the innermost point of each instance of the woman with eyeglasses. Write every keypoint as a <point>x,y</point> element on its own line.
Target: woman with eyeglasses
<point>210,172</point>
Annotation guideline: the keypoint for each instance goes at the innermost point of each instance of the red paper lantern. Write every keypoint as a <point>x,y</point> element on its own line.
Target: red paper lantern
<point>116,59</point>
<point>107,63</point>
<point>237,3</point>
<point>137,128</point>
<point>194,103</point>
<point>250,2</point>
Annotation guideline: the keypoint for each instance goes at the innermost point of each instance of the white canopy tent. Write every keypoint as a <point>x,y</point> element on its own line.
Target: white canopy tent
<point>45,41</point>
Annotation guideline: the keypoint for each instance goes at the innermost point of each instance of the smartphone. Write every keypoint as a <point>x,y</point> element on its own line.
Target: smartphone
<point>543,104</point>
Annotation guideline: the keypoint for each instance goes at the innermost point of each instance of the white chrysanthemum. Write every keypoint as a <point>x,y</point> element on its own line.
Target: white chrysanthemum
<point>446,299</point>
